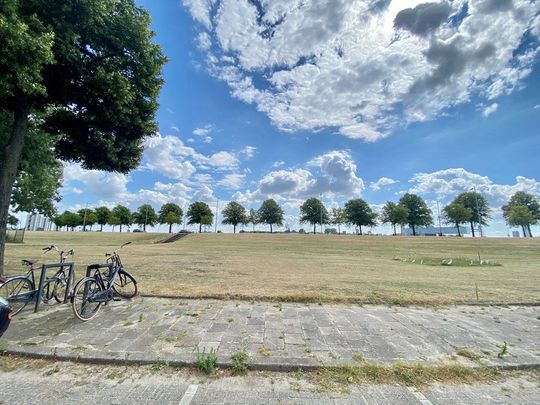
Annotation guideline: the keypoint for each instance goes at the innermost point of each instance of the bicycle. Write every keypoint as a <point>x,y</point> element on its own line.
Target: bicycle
<point>91,292</point>
<point>19,290</point>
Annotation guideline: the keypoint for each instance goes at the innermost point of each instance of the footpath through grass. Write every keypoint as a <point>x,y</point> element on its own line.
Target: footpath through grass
<point>314,268</point>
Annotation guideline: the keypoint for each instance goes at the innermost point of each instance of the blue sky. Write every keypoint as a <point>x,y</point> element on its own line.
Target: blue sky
<point>349,99</point>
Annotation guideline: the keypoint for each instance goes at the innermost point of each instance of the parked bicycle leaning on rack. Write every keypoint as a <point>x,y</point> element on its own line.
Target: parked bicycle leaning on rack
<point>100,288</point>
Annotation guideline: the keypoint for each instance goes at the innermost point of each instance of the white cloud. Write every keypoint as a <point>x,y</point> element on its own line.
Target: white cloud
<point>248,152</point>
<point>450,182</point>
<point>278,163</point>
<point>383,181</point>
<point>490,109</point>
<point>223,160</point>
<point>204,41</point>
<point>103,185</point>
<point>232,181</point>
<point>366,67</point>
<point>537,106</point>
<point>204,133</point>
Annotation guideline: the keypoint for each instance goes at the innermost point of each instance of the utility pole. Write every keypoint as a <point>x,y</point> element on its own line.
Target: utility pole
<point>321,212</point>
<point>439,216</point>
<point>217,207</point>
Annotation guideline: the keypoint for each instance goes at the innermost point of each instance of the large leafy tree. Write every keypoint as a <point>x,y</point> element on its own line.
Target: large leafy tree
<point>457,214</point>
<point>122,214</point>
<point>198,213</point>
<point>359,213</point>
<point>270,213</point>
<point>418,212</point>
<point>314,212</point>
<point>253,218</point>
<point>522,198</point>
<point>102,216</point>
<point>234,214</point>
<point>477,204</point>
<point>394,214</point>
<point>91,74</point>
<point>88,217</point>
<point>170,213</point>
<point>145,215</point>
<point>338,217</point>
<point>520,215</point>
<point>70,219</point>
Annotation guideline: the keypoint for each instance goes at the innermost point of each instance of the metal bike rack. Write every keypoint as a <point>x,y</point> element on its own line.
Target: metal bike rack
<point>97,266</point>
<point>42,278</point>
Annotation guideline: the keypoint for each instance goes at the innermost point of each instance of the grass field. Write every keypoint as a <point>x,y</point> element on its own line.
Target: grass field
<point>315,268</point>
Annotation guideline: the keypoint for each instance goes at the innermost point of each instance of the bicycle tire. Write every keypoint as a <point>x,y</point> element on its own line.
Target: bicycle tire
<point>125,285</point>
<point>12,287</point>
<point>82,308</point>
<point>60,284</point>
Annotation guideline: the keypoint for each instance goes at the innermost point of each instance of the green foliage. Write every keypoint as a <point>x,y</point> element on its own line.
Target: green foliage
<point>394,214</point>
<point>338,217</point>
<point>170,213</point>
<point>102,216</point>
<point>270,213</point>
<point>418,212</point>
<point>521,217</point>
<point>457,214</point>
<point>122,214</point>
<point>12,221</point>
<point>234,214</point>
<point>359,213</point>
<point>206,362</point>
<point>477,204</point>
<point>240,359</point>
<point>253,218</point>
<point>68,219</point>
<point>313,211</point>
<point>88,217</point>
<point>145,215</point>
<point>200,213</point>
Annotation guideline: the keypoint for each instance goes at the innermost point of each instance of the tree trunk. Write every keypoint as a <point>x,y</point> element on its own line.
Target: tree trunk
<point>314,228</point>
<point>394,229</point>
<point>530,232</point>
<point>523,231</point>
<point>413,230</point>
<point>458,231</point>
<point>8,168</point>
<point>120,228</point>
<point>472,228</point>
<point>270,228</point>
<point>101,229</point>
<point>200,227</point>
<point>253,227</point>
<point>360,226</point>
<point>144,227</point>
<point>234,228</point>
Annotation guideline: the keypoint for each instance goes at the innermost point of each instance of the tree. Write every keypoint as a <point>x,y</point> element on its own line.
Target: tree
<point>524,199</point>
<point>102,216</point>
<point>359,213</point>
<point>234,214</point>
<point>206,220</point>
<point>114,220</point>
<point>88,218</point>
<point>70,219</point>
<point>145,215</point>
<point>270,213</point>
<point>123,214</point>
<point>197,211</point>
<point>314,212</point>
<point>170,213</point>
<point>86,74</point>
<point>418,212</point>
<point>477,204</point>
<point>394,214</point>
<point>338,217</point>
<point>457,214</point>
<point>253,218</point>
<point>12,221</point>
<point>520,215</point>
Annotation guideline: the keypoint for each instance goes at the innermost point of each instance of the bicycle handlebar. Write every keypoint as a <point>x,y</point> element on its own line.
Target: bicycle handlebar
<point>115,252</point>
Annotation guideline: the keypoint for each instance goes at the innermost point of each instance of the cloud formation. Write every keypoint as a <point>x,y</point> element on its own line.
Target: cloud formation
<point>366,67</point>
<point>383,181</point>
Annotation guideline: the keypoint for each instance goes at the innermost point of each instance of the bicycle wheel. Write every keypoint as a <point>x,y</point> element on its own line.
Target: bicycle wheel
<point>125,285</point>
<point>60,284</point>
<point>17,291</point>
<point>83,308</point>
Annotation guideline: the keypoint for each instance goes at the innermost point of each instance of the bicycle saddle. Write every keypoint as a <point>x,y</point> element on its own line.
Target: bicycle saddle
<point>29,262</point>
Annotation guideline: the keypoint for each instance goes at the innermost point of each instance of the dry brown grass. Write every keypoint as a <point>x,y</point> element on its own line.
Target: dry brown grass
<point>314,268</point>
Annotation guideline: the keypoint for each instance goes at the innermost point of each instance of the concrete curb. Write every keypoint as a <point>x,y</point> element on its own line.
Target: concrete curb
<point>275,366</point>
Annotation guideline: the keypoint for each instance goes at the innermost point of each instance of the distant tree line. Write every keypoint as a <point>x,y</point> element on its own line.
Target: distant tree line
<point>469,208</point>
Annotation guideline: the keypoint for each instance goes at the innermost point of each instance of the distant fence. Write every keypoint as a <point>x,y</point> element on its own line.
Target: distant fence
<point>15,235</point>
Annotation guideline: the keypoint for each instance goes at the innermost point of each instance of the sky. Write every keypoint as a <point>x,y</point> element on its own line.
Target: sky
<point>371,99</point>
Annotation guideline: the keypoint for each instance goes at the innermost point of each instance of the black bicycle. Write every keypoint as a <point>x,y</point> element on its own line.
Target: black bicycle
<point>92,292</point>
<point>19,290</point>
